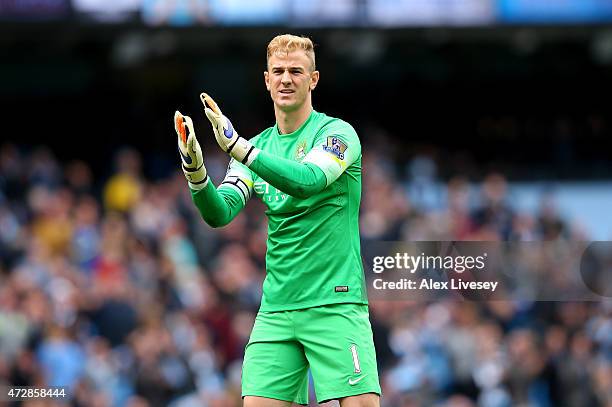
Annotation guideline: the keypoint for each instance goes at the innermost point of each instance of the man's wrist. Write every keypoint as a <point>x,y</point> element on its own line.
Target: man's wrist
<point>199,185</point>
<point>252,156</point>
<point>243,151</point>
<point>197,178</point>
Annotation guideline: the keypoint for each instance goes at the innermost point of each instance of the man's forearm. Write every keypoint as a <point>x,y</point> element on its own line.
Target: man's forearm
<point>296,179</point>
<point>217,207</point>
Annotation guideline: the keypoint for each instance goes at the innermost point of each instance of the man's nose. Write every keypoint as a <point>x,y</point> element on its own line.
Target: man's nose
<point>286,78</point>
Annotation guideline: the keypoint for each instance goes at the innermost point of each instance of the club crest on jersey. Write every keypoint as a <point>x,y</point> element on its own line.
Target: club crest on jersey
<point>335,146</point>
<point>300,151</point>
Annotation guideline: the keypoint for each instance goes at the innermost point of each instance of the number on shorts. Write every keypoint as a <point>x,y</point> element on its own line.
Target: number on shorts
<point>355,358</point>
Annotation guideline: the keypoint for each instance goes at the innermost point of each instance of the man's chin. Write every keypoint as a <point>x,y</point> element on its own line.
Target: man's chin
<point>287,106</point>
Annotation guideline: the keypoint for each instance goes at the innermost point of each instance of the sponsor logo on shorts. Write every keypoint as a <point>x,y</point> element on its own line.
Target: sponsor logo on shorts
<point>353,382</point>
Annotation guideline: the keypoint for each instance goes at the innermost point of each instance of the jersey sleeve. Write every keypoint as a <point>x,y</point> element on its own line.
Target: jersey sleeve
<point>238,178</point>
<point>335,148</point>
<point>218,206</point>
<point>296,179</point>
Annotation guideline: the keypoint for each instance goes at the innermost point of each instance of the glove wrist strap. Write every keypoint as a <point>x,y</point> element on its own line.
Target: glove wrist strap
<point>196,186</point>
<point>242,150</point>
<point>197,178</point>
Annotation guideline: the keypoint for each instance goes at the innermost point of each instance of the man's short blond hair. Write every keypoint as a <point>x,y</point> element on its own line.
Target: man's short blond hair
<point>287,43</point>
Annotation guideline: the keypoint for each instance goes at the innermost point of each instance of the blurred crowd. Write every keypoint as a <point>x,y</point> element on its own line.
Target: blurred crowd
<point>117,290</point>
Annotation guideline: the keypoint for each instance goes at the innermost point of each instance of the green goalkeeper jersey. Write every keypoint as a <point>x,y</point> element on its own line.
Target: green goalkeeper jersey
<point>313,249</point>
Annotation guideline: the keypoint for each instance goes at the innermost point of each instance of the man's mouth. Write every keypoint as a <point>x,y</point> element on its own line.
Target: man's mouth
<point>287,91</point>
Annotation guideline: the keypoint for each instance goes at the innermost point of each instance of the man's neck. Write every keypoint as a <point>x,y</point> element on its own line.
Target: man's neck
<point>288,122</point>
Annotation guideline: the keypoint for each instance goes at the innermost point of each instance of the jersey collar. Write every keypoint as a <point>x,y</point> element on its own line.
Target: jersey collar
<point>313,113</point>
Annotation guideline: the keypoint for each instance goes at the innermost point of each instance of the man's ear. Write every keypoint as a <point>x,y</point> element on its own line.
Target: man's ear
<point>314,79</point>
<point>267,80</point>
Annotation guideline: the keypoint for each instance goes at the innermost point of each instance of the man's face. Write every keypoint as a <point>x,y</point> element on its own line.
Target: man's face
<point>289,79</point>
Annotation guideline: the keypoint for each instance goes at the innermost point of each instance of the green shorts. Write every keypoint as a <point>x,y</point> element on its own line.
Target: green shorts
<point>334,341</point>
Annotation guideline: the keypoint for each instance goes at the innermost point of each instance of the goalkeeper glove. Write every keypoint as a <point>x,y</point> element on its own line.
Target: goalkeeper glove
<point>191,153</point>
<point>228,139</point>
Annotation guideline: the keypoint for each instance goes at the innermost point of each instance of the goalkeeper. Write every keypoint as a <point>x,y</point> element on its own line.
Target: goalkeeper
<point>307,170</point>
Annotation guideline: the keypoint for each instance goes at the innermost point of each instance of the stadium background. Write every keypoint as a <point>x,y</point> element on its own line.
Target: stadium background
<point>480,119</point>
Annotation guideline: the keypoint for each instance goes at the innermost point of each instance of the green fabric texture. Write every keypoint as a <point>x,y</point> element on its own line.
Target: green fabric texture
<point>217,207</point>
<point>334,341</point>
<point>295,179</point>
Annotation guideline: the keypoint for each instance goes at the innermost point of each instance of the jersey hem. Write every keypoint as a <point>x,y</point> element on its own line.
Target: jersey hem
<point>293,307</point>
